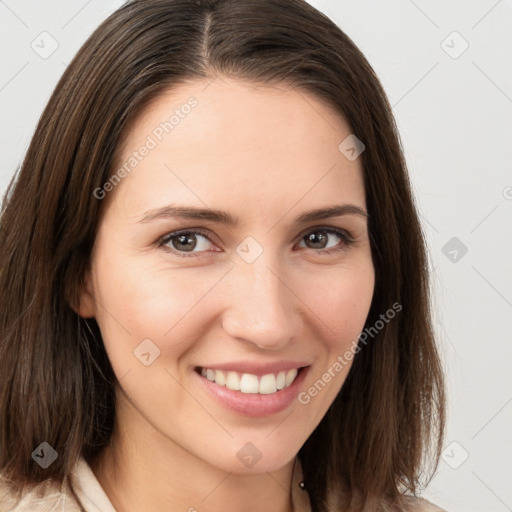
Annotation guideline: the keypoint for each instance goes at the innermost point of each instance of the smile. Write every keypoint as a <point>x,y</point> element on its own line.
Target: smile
<point>249,383</point>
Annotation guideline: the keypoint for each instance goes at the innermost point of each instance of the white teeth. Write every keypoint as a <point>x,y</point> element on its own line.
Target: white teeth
<point>249,383</point>
<point>290,376</point>
<point>281,380</point>
<point>220,378</point>
<point>267,384</point>
<point>233,381</point>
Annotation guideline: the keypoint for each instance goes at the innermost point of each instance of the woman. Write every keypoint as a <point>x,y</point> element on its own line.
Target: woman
<point>213,281</point>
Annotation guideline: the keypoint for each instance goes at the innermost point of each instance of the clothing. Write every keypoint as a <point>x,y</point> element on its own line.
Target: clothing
<point>47,497</point>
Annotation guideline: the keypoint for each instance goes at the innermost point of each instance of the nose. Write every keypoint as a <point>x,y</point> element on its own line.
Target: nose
<point>262,309</point>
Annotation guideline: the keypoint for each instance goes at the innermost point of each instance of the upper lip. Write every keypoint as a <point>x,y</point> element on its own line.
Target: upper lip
<point>256,368</point>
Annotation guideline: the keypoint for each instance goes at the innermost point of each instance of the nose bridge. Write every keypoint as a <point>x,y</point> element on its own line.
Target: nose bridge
<point>262,309</point>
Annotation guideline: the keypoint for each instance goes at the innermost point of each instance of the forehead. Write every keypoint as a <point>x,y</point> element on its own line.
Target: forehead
<point>231,141</point>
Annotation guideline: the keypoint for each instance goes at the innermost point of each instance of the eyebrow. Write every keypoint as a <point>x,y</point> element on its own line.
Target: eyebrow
<point>222,217</point>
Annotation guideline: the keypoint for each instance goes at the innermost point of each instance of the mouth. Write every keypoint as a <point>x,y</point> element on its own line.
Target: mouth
<point>261,394</point>
<point>266,384</point>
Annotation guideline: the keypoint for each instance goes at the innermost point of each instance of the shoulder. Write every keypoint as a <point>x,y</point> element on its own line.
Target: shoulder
<point>40,497</point>
<point>48,495</point>
<point>421,505</point>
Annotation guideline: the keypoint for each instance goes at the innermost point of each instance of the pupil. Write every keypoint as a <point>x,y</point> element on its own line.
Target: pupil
<point>182,241</point>
<point>318,239</point>
<point>321,238</point>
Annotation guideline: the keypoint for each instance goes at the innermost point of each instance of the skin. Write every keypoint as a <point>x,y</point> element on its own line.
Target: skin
<point>266,155</point>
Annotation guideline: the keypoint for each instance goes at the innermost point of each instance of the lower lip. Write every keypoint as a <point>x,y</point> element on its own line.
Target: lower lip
<point>254,404</point>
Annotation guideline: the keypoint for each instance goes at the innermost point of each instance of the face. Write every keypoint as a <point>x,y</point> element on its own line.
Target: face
<point>193,305</point>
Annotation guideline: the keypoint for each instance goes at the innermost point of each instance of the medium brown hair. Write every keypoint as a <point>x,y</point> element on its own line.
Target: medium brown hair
<point>57,384</point>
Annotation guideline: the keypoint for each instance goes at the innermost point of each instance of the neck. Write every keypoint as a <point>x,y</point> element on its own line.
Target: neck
<point>141,469</point>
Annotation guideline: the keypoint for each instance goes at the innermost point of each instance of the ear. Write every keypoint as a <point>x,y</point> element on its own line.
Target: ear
<point>84,304</point>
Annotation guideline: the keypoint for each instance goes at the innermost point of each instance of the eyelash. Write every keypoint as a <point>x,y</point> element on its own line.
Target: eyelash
<point>345,236</point>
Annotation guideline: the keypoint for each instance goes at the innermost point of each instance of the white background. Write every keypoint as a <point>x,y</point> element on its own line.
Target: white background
<point>454,116</point>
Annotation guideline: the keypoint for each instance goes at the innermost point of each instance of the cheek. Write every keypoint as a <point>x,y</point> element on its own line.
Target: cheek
<point>141,301</point>
<point>340,299</point>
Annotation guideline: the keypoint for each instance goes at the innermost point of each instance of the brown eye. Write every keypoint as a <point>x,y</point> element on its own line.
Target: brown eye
<point>185,242</point>
<point>317,240</point>
<point>320,239</point>
<point>189,243</point>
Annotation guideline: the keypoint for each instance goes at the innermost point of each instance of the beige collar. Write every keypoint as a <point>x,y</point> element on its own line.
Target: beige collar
<point>94,498</point>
